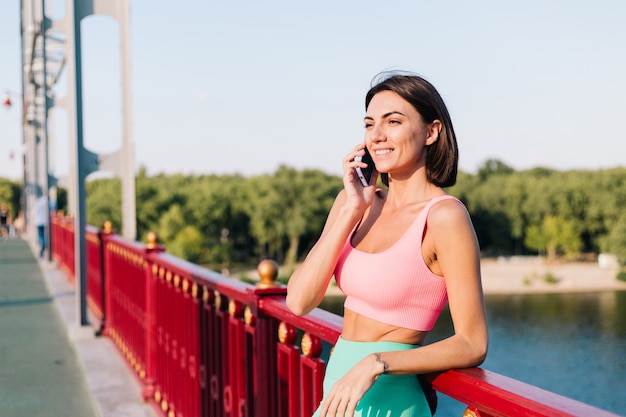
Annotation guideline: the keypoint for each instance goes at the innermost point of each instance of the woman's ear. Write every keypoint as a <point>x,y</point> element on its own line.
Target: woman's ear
<point>434,129</point>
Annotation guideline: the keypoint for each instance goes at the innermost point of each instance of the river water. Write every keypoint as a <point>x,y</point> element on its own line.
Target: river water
<point>570,344</point>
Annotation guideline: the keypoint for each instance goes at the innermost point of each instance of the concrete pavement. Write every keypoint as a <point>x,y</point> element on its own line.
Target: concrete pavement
<point>49,365</point>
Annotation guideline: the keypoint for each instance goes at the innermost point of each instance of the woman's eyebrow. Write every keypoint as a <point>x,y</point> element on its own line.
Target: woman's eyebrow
<point>386,115</point>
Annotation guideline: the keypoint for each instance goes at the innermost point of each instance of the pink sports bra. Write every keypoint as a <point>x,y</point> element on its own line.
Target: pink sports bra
<point>394,286</point>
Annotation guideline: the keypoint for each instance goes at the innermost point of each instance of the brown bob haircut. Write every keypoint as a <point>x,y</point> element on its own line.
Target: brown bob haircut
<point>442,156</point>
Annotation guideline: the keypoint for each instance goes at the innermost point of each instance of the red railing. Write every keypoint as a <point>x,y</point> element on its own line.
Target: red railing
<point>62,244</point>
<point>203,344</point>
<point>95,266</point>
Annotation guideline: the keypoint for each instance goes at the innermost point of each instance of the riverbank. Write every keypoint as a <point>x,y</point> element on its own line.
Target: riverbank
<point>519,275</point>
<point>527,275</point>
<point>524,275</point>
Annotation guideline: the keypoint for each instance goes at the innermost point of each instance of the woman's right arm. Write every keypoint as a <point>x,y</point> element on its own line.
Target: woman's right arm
<point>309,282</point>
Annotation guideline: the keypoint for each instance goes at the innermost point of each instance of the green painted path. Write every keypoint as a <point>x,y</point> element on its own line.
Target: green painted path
<point>40,374</point>
<point>50,366</point>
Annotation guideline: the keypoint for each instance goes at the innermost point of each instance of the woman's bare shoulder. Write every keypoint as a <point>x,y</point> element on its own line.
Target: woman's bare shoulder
<point>448,212</point>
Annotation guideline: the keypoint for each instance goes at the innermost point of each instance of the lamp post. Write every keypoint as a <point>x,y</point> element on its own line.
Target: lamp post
<point>8,101</point>
<point>35,105</point>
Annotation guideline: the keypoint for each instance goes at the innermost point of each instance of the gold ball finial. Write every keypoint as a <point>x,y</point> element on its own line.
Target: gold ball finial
<point>311,346</point>
<point>153,240</point>
<point>248,317</point>
<point>107,227</point>
<point>286,333</point>
<point>469,413</point>
<point>268,271</point>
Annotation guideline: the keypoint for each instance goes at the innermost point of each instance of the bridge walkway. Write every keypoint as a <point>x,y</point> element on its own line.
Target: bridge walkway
<point>50,366</point>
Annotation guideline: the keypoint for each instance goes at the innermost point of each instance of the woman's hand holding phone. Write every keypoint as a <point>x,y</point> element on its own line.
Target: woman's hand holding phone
<point>365,174</point>
<point>359,196</point>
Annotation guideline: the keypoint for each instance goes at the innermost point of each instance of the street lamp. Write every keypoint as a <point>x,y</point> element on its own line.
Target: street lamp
<point>6,102</point>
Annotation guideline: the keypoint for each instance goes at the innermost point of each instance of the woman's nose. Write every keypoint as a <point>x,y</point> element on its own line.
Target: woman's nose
<point>375,134</point>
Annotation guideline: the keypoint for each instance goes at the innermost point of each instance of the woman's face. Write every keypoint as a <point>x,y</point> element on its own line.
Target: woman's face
<point>396,134</point>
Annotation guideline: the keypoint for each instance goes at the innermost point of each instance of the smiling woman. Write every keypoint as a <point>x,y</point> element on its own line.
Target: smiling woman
<point>431,109</point>
<point>399,255</point>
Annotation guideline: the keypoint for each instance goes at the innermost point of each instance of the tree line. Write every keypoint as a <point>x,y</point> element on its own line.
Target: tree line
<point>554,213</point>
<point>225,221</point>
<point>10,192</point>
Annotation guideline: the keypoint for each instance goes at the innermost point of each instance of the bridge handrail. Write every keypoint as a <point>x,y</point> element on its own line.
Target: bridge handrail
<point>203,344</point>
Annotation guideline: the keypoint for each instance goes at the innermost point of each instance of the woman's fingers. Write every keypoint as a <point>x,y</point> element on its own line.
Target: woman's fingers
<point>349,162</point>
<point>341,401</point>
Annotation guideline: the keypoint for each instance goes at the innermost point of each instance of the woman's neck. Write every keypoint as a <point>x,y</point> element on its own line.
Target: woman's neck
<point>410,191</point>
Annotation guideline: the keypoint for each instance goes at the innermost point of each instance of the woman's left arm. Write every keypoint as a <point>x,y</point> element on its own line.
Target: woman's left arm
<point>451,250</point>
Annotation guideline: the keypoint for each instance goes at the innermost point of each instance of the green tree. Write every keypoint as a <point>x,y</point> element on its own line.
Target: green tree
<point>10,194</point>
<point>187,244</point>
<point>171,223</point>
<point>214,208</point>
<point>615,241</point>
<point>287,207</point>
<point>298,195</point>
<point>263,208</point>
<point>493,167</point>
<point>555,235</point>
<point>104,202</point>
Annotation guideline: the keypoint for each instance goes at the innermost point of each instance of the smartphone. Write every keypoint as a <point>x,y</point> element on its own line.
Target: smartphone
<point>365,174</point>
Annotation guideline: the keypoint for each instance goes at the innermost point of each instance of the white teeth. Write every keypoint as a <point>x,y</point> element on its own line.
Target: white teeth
<point>382,151</point>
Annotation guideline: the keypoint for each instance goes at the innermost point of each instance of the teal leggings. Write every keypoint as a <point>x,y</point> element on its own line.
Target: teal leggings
<point>391,395</point>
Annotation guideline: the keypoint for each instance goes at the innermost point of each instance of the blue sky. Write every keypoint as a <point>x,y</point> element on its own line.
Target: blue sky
<point>244,86</point>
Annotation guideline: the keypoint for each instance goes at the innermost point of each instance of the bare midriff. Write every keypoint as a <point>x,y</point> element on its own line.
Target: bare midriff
<point>358,328</point>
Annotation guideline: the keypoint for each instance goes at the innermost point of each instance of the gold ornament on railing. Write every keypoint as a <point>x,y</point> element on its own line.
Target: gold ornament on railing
<point>235,309</point>
<point>248,317</point>
<point>286,333</point>
<point>470,413</point>
<point>153,240</point>
<point>268,271</point>
<point>107,227</point>
<point>311,346</point>
<point>217,300</point>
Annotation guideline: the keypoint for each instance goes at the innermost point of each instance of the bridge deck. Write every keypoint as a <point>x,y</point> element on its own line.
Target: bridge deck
<point>49,366</point>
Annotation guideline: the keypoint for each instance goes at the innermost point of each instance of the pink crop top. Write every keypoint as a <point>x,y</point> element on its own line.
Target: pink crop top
<point>394,286</point>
